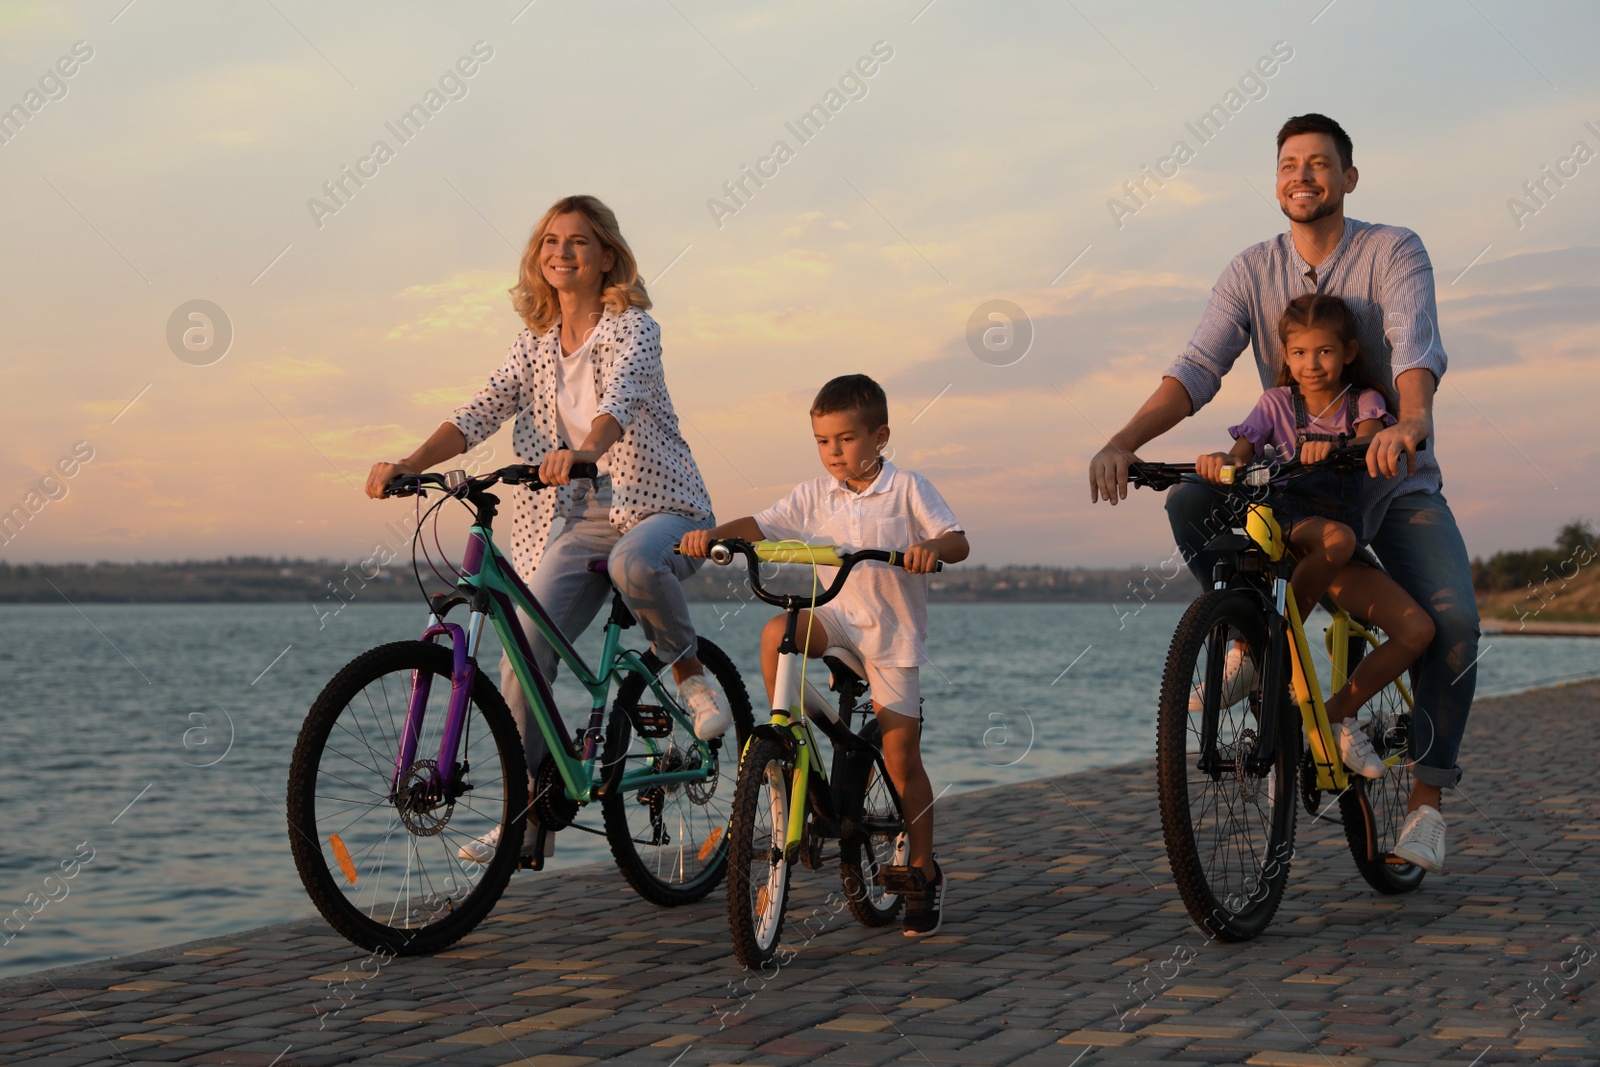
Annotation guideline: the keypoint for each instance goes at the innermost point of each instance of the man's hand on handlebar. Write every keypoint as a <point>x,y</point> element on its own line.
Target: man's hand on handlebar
<point>1401,439</point>
<point>381,475</point>
<point>1108,474</point>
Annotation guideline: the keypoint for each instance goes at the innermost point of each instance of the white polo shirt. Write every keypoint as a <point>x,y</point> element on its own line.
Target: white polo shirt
<point>887,607</point>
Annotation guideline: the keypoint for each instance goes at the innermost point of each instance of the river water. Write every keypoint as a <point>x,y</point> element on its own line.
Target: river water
<point>149,744</point>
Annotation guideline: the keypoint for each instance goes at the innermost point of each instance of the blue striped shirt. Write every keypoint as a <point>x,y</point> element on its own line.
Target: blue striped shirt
<point>1382,272</point>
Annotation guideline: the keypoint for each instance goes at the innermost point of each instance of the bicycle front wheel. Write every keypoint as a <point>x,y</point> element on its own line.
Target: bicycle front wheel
<point>758,875</point>
<point>382,859</point>
<point>880,839</point>
<point>1229,830</point>
<point>1374,809</point>
<point>671,841</point>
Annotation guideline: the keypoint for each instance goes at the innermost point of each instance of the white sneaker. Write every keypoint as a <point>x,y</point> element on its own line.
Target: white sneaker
<point>1422,839</point>
<point>1238,678</point>
<point>711,715</point>
<point>483,849</point>
<point>1355,747</point>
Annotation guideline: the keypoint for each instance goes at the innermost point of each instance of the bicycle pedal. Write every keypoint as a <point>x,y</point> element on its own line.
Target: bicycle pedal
<point>901,880</point>
<point>650,720</point>
<point>811,854</point>
<point>534,861</point>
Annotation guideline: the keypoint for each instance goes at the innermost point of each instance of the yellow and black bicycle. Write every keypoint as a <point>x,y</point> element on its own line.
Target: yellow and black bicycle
<point>1240,683</point>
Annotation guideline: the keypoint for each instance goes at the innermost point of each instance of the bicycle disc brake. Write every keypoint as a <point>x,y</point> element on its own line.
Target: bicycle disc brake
<point>1244,749</point>
<point>423,811</point>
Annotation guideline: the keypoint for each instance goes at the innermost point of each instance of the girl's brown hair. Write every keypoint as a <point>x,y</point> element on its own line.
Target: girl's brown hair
<point>620,289</point>
<point>1319,310</point>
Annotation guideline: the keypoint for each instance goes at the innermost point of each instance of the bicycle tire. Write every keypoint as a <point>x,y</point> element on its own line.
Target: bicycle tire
<point>1374,809</point>
<point>702,823</point>
<point>758,874</point>
<point>1229,852</point>
<point>873,804</point>
<point>328,788</point>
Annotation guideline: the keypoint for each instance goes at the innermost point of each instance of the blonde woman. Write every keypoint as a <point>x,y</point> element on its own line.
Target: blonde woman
<point>585,383</point>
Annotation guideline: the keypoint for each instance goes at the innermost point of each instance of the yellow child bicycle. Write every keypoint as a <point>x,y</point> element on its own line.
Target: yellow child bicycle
<point>1229,744</point>
<point>786,804</point>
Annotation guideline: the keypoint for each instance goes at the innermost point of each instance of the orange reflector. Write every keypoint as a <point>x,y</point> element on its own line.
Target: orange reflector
<point>710,843</point>
<point>761,901</point>
<point>342,854</point>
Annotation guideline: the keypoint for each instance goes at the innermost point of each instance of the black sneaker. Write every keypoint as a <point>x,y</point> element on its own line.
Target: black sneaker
<point>925,906</point>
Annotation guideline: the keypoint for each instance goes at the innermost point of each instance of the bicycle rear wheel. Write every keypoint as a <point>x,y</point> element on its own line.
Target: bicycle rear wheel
<point>382,863</point>
<point>758,874</point>
<point>671,842</point>
<point>880,839</point>
<point>1375,808</point>
<point>1229,833</point>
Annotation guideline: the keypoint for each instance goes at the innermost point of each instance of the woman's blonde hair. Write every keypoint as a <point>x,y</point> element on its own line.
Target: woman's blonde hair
<point>620,289</point>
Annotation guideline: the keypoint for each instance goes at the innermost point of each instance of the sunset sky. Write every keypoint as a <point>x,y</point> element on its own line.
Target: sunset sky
<point>977,162</point>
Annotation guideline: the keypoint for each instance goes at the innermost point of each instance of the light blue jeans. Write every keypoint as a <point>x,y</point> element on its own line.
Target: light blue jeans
<point>643,567</point>
<point>1422,550</point>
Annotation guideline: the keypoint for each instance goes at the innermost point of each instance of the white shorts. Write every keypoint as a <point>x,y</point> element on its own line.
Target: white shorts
<point>898,689</point>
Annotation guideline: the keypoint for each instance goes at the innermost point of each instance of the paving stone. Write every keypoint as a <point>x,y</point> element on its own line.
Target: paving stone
<point>1034,964</point>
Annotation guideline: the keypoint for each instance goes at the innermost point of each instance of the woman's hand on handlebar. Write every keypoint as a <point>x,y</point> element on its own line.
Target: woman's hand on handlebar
<point>381,475</point>
<point>1209,466</point>
<point>556,467</point>
<point>695,544</point>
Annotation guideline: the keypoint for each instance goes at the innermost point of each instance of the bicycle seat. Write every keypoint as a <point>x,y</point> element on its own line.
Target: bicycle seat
<point>844,659</point>
<point>597,566</point>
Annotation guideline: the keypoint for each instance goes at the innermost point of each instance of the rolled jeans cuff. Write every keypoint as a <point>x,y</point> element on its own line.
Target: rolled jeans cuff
<point>1444,778</point>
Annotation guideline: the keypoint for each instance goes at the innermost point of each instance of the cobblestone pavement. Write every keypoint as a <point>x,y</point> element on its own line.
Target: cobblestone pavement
<point>1065,943</point>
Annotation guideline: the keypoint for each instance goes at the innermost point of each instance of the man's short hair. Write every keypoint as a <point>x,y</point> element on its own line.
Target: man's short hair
<point>856,393</point>
<point>1315,123</point>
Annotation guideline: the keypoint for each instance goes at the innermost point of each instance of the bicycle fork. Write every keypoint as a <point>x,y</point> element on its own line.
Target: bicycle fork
<point>442,782</point>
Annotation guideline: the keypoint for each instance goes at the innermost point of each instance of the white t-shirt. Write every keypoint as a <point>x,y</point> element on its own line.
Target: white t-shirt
<point>887,606</point>
<point>577,401</point>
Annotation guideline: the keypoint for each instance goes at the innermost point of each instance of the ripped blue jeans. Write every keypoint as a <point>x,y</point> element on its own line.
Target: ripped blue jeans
<point>1422,550</point>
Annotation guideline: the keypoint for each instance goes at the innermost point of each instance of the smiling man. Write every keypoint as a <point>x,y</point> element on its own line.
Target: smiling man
<point>1384,274</point>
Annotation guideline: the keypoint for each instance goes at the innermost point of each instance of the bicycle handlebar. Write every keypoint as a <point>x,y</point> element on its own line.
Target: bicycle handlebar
<point>723,551</point>
<point>1253,475</point>
<point>455,481</point>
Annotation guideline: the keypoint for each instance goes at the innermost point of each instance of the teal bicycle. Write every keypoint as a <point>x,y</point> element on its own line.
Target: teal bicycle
<point>410,754</point>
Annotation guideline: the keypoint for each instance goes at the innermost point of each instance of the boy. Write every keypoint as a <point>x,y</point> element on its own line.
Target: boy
<point>864,501</point>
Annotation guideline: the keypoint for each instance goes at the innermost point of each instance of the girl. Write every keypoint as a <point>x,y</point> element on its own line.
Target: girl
<point>1326,396</point>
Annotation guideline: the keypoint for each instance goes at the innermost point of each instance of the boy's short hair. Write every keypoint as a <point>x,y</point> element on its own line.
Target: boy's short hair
<point>854,392</point>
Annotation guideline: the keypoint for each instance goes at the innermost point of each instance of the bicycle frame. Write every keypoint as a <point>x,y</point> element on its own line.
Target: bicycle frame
<point>789,717</point>
<point>809,787</point>
<point>493,590</point>
<point>1332,776</point>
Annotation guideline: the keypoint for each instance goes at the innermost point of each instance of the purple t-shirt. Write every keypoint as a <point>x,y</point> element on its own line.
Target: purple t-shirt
<point>1271,422</point>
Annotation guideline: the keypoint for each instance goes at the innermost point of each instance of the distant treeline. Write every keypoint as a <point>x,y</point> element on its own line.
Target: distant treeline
<point>1574,550</point>
<point>255,579</point>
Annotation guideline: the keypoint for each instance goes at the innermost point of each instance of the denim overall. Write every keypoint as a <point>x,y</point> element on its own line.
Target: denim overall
<point>1327,494</point>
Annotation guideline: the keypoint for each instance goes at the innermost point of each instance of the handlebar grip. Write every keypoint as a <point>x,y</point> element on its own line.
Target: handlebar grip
<point>585,470</point>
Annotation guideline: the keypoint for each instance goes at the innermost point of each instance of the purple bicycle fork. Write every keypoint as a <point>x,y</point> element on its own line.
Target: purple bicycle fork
<point>463,673</point>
